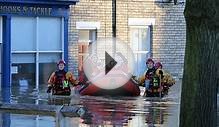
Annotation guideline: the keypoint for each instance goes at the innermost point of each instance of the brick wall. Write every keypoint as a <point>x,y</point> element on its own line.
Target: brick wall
<point>168,33</point>
<point>91,11</point>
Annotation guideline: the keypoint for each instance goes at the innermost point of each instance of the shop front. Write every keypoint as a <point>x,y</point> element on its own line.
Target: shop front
<point>34,36</point>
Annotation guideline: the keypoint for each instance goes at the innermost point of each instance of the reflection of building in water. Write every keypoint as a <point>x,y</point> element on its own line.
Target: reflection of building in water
<point>149,115</point>
<point>155,116</point>
<point>22,120</point>
<point>107,113</point>
<point>126,113</point>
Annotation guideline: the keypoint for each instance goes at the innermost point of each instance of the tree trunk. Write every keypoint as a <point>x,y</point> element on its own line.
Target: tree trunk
<point>200,79</point>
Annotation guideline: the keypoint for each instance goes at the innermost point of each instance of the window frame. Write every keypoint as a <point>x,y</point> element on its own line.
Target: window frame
<point>141,27</point>
<point>38,52</point>
<point>92,35</point>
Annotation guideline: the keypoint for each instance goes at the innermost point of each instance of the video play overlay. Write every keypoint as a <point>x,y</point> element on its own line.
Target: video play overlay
<point>109,64</point>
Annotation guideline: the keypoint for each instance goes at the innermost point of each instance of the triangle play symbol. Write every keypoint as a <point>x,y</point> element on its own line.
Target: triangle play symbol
<point>109,63</point>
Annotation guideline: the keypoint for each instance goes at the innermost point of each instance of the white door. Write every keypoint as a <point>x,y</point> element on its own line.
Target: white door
<point>141,46</point>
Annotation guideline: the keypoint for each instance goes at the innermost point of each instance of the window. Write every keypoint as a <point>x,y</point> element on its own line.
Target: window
<point>86,38</point>
<point>87,35</point>
<point>23,69</point>
<point>140,42</point>
<point>37,44</point>
<point>23,33</point>
<point>49,34</point>
<point>47,64</point>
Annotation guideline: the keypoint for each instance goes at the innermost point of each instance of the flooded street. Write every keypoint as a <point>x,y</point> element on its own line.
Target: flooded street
<point>108,47</point>
<point>100,111</point>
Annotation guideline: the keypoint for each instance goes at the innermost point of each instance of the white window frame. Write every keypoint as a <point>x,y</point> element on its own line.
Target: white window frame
<point>88,42</point>
<point>141,23</point>
<point>89,26</point>
<point>90,31</point>
<point>37,52</point>
<point>140,27</point>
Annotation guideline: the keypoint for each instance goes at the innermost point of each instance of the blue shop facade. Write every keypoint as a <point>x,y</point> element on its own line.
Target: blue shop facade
<point>33,37</point>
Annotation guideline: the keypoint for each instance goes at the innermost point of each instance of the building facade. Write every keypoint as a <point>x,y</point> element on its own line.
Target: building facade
<point>34,34</point>
<point>152,28</point>
<point>33,37</point>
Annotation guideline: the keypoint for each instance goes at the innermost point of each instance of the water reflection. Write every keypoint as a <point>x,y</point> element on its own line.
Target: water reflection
<point>6,120</point>
<point>127,112</point>
<point>101,111</point>
<point>104,112</point>
<point>17,120</point>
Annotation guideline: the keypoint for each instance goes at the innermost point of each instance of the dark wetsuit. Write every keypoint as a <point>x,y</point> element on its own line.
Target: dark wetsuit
<point>150,74</point>
<point>154,83</point>
<point>61,85</point>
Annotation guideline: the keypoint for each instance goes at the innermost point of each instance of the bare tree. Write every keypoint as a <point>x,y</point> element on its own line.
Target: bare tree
<point>200,79</point>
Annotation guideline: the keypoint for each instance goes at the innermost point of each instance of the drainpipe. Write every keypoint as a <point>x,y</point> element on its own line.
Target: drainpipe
<point>114,18</point>
<point>114,25</point>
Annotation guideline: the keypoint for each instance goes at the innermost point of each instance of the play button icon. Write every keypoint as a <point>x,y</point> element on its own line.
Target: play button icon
<point>109,64</point>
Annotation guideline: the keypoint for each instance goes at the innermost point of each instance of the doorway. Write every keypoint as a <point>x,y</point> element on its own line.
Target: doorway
<point>140,37</point>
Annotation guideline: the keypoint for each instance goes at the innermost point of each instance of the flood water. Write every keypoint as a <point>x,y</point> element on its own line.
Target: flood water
<point>100,111</point>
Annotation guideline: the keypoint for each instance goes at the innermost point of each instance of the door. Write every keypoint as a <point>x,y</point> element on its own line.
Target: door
<point>141,46</point>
